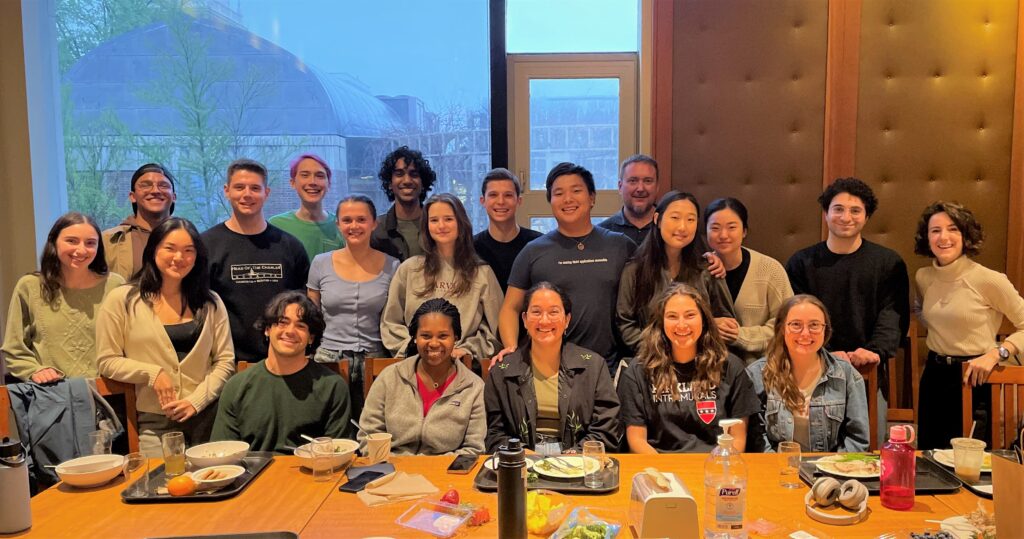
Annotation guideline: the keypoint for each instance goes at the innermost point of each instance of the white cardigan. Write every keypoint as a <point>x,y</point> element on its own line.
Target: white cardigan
<point>133,347</point>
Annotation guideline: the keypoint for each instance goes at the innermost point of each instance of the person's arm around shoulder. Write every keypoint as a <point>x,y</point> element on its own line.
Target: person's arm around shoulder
<point>854,433</point>
<point>476,430</point>
<point>394,333</point>
<point>222,359</point>
<point>112,330</point>
<point>604,421</point>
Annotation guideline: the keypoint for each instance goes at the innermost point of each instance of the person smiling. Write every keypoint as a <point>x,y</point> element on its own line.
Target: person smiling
<point>684,381</point>
<point>638,187</point>
<point>152,196</point>
<point>504,239</point>
<point>168,334</point>
<point>962,303</point>
<point>351,286</point>
<point>451,269</point>
<point>310,224</point>
<point>807,394</point>
<point>405,177</point>
<point>757,283</point>
<point>50,330</point>
<point>430,402</point>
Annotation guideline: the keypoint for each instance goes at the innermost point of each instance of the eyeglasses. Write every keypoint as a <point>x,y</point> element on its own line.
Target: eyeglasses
<point>552,315</point>
<point>147,185</point>
<point>815,328</point>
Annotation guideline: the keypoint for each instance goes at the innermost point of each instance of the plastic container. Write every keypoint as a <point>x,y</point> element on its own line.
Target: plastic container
<point>899,467</point>
<point>436,518</point>
<point>545,511</point>
<point>725,488</point>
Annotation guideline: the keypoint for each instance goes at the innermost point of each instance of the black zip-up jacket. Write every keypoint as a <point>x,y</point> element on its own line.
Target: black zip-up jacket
<point>387,239</point>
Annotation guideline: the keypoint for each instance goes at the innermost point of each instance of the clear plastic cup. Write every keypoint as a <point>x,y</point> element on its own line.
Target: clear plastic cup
<point>968,455</point>
<point>789,465</point>
<point>593,472</point>
<point>322,449</point>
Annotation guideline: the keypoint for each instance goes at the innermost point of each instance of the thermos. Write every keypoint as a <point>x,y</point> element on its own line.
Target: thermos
<point>512,490</point>
<point>899,468</point>
<point>15,513</point>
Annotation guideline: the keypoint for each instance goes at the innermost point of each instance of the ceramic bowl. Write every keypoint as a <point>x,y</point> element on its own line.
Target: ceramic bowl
<point>217,454</point>
<point>90,471</point>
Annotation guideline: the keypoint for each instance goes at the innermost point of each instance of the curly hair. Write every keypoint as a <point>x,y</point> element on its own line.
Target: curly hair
<point>778,369</point>
<point>411,158</point>
<point>963,218</point>
<point>309,314</point>
<point>655,351</point>
<point>438,306</point>
<point>466,261</point>
<point>853,187</point>
<point>50,270</point>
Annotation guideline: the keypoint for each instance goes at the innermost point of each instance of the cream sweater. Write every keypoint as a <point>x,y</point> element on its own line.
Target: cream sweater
<point>963,304</point>
<point>763,290</point>
<point>132,346</point>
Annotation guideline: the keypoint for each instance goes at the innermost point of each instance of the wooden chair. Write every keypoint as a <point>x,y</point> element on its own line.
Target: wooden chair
<point>373,366</point>
<point>1007,386</point>
<point>906,364</point>
<point>871,379</point>
<point>341,367</point>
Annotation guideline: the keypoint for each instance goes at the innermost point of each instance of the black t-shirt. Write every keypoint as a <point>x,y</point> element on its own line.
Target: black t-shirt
<point>500,256</point>
<point>248,271</point>
<point>734,278</point>
<point>686,425</point>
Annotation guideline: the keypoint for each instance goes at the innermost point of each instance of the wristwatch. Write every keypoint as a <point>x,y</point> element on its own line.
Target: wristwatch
<point>1004,354</point>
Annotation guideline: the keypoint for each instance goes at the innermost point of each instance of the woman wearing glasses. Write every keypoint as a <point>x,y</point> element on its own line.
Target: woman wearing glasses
<point>808,395</point>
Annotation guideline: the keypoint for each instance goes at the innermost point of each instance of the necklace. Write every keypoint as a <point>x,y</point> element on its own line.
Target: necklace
<point>425,374</point>
<point>580,242</point>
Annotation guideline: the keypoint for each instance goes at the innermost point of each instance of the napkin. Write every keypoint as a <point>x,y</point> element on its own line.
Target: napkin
<point>396,487</point>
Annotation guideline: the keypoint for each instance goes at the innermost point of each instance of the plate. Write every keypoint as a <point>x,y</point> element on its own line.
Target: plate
<point>945,458</point>
<point>854,465</point>
<point>493,461</point>
<point>959,527</point>
<point>564,467</point>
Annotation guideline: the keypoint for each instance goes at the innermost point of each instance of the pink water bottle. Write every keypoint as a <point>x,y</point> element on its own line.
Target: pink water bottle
<point>899,468</point>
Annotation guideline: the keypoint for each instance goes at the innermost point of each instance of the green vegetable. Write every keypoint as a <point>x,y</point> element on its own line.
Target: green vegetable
<point>852,457</point>
<point>588,531</point>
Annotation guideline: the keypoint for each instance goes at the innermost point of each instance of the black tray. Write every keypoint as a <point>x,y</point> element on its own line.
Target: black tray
<point>984,480</point>
<point>487,480</point>
<point>254,463</point>
<point>930,478</point>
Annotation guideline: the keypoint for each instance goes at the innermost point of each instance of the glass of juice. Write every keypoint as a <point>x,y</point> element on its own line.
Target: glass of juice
<point>173,444</point>
<point>968,455</point>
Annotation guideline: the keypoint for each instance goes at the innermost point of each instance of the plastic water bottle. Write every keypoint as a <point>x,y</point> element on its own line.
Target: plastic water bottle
<point>725,488</point>
<point>899,468</point>
<point>512,490</point>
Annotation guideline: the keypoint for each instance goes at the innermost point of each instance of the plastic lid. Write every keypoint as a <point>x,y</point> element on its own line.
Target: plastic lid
<point>898,434</point>
<point>725,438</point>
<point>512,454</point>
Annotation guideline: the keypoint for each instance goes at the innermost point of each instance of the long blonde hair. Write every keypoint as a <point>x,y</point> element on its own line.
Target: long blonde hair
<point>655,351</point>
<point>778,370</point>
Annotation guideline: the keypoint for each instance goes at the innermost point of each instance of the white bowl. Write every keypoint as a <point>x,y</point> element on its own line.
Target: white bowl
<point>91,471</point>
<point>344,450</point>
<point>231,470</point>
<point>217,453</point>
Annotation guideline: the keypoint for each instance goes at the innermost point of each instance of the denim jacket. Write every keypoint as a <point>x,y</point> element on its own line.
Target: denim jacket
<point>838,418</point>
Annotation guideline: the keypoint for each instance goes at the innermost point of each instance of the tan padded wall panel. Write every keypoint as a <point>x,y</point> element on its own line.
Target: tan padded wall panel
<point>935,114</point>
<point>748,107</point>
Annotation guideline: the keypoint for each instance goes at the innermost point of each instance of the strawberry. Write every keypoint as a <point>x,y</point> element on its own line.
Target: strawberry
<point>480,517</point>
<point>452,497</point>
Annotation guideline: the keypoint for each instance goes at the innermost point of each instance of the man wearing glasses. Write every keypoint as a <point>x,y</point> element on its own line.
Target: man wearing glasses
<point>406,178</point>
<point>152,197</point>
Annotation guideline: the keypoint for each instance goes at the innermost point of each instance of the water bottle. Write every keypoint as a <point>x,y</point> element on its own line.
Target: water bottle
<point>511,470</point>
<point>725,488</point>
<point>15,509</point>
<point>899,468</point>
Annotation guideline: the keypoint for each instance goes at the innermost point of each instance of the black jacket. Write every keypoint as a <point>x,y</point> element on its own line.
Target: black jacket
<point>588,407</point>
<point>387,239</point>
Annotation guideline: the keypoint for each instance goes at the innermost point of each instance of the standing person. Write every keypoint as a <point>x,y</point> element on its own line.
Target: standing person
<point>504,239</point>
<point>152,196</point>
<point>449,268</point>
<point>50,331</point>
<point>251,261</point>
<point>638,187</point>
<point>962,305</point>
<point>274,402</point>
<point>563,257</point>
<point>310,224</point>
<point>807,395</point>
<point>351,286</point>
<point>757,283</point>
<point>168,334</point>
<point>684,381</point>
<point>673,254</point>
<point>406,178</point>
<point>863,285</point>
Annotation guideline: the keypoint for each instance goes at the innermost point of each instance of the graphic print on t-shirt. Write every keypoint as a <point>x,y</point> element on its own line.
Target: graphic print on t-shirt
<point>257,273</point>
<point>706,411</point>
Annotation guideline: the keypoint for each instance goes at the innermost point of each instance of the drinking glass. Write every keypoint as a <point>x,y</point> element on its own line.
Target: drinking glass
<point>322,449</point>
<point>133,463</point>
<point>593,464</point>
<point>99,442</point>
<point>789,464</point>
<point>173,444</point>
<point>968,455</point>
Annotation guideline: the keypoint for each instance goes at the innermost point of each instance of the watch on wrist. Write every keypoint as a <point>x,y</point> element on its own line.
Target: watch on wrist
<point>1004,354</point>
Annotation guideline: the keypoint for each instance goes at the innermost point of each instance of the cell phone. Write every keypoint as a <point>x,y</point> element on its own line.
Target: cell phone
<point>359,483</point>
<point>462,464</point>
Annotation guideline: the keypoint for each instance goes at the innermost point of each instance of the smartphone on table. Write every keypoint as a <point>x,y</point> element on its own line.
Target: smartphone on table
<point>359,482</point>
<point>462,464</point>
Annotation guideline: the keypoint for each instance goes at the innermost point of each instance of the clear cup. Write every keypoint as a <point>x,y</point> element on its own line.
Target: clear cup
<point>99,442</point>
<point>968,455</point>
<point>136,475</point>
<point>378,447</point>
<point>322,449</point>
<point>593,464</point>
<point>789,465</point>
<point>173,445</point>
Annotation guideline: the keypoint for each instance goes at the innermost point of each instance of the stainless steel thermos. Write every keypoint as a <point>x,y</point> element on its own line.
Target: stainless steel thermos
<point>511,490</point>
<point>15,512</point>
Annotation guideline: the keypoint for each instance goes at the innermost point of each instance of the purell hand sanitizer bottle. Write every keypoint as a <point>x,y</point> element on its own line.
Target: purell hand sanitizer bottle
<point>725,488</point>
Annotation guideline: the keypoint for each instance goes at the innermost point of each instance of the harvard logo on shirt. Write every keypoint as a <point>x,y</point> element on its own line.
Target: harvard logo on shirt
<point>707,410</point>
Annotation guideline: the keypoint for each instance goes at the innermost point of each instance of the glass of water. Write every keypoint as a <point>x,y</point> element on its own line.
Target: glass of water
<point>593,464</point>
<point>99,442</point>
<point>134,463</point>
<point>789,464</point>
<point>322,449</point>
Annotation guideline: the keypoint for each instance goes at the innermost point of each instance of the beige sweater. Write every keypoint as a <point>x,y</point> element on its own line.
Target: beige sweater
<point>763,290</point>
<point>132,346</point>
<point>962,305</point>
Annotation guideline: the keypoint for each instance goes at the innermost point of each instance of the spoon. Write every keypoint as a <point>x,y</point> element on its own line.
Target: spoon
<point>309,439</point>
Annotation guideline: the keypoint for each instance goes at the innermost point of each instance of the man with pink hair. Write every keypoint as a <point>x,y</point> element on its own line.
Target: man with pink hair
<point>314,227</point>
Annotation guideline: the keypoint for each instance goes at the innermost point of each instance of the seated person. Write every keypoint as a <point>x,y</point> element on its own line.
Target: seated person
<point>430,402</point>
<point>684,381</point>
<point>570,393</point>
<point>273,402</point>
<point>801,384</point>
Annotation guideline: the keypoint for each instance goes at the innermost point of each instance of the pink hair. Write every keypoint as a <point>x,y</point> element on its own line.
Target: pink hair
<point>294,167</point>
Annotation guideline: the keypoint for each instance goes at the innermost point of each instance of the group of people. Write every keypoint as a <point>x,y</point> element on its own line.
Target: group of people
<point>643,331</point>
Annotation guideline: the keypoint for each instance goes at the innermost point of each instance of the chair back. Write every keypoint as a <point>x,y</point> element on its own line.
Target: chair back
<point>372,367</point>
<point>1007,386</point>
<point>871,381</point>
<point>5,412</point>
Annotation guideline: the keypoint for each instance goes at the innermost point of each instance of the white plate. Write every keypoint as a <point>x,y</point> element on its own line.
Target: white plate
<point>492,462</point>
<point>828,465</point>
<point>564,467</point>
<point>959,527</point>
<point>945,458</point>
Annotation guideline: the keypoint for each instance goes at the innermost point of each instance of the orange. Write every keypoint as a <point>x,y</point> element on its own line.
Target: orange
<point>182,485</point>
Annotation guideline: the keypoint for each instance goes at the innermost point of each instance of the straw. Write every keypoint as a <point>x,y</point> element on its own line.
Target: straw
<point>973,424</point>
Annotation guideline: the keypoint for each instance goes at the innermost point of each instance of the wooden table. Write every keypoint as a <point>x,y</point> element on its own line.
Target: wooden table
<point>285,497</point>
